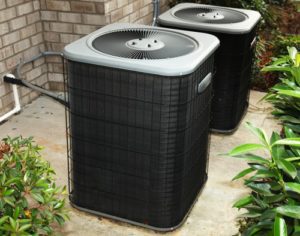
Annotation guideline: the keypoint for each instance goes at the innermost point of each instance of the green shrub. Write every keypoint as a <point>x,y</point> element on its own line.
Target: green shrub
<point>285,96</point>
<point>281,43</point>
<point>273,205</point>
<point>30,202</point>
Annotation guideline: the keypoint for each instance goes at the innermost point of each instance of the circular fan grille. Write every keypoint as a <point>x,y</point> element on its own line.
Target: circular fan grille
<point>210,15</point>
<point>145,43</point>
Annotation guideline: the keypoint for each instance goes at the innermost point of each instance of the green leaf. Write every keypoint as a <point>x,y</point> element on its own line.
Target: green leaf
<point>58,205</point>
<point>288,141</point>
<point>47,229</point>
<point>295,187</point>
<point>278,151</point>
<point>41,183</point>
<point>242,173</point>
<point>243,202</point>
<point>13,223</point>
<point>292,93</point>
<point>3,178</point>
<point>64,216</point>
<point>292,159</point>
<point>260,203</point>
<point>257,166</point>
<point>26,176</point>
<point>60,220</point>
<point>23,221</point>
<point>8,192</point>
<point>275,198</point>
<point>263,174</point>
<point>290,119</point>
<point>251,158</point>
<point>251,215</point>
<point>9,201</point>
<point>292,53</point>
<point>277,68</point>
<point>12,181</point>
<point>290,211</point>
<point>280,228</point>
<point>287,167</point>
<point>289,133</point>
<point>3,219</point>
<point>261,188</point>
<point>16,212</point>
<point>38,197</point>
<point>268,214</point>
<point>295,128</point>
<point>259,133</point>
<point>245,148</point>
<point>25,227</point>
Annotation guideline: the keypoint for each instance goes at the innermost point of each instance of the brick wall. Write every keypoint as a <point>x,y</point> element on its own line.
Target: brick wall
<point>66,21</point>
<point>28,27</point>
<point>21,37</point>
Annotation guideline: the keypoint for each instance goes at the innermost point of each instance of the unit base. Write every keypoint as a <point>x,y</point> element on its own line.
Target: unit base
<point>231,131</point>
<point>137,223</point>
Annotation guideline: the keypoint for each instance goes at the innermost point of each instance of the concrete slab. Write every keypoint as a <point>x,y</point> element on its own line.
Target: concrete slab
<point>212,215</point>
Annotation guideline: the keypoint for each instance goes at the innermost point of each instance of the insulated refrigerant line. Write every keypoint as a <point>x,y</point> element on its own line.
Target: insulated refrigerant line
<point>17,80</point>
<point>156,7</point>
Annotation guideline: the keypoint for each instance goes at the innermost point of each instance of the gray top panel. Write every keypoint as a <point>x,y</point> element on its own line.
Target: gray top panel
<point>84,50</point>
<point>242,21</point>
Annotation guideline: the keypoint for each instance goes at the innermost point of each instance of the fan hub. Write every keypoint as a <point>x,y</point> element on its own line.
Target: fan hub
<point>211,15</point>
<point>145,44</point>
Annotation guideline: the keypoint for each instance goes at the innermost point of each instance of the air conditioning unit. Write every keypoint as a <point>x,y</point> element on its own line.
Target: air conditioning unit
<point>236,29</point>
<point>139,122</point>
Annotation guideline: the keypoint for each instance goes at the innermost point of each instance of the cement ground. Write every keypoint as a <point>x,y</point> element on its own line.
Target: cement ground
<point>212,214</point>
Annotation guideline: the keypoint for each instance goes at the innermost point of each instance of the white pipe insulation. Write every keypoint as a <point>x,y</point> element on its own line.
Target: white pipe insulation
<point>17,106</point>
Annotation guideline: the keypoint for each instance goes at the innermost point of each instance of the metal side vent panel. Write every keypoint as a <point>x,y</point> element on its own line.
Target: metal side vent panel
<point>144,44</point>
<point>210,15</point>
